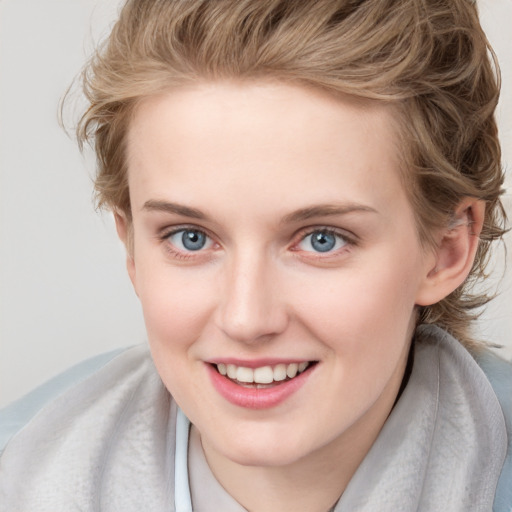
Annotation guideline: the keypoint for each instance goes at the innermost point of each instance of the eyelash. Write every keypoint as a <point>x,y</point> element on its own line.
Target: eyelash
<point>348,242</point>
<point>179,254</point>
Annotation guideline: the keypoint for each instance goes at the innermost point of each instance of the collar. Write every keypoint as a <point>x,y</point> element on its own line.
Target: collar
<point>442,447</point>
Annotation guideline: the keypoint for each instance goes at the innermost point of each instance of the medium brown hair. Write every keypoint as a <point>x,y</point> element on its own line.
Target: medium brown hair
<point>429,58</point>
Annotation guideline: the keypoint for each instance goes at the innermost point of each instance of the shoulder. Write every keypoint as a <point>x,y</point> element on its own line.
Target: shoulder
<point>17,414</point>
<point>499,374</point>
<point>489,371</point>
<point>92,439</point>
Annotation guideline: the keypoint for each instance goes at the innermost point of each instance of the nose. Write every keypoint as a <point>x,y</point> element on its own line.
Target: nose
<point>251,306</point>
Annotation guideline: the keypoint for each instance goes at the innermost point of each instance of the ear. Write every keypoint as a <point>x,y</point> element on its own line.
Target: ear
<point>124,229</point>
<point>454,254</point>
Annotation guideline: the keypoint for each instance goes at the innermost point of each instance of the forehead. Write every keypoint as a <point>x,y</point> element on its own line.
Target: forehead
<point>271,139</point>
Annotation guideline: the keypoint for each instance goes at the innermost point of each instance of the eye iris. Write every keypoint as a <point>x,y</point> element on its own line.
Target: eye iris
<point>193,240</point>
<point>323,242</point>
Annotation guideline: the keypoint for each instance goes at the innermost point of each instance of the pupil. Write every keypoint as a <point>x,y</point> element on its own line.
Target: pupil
<point>193,240</point>
<point>323,242</point>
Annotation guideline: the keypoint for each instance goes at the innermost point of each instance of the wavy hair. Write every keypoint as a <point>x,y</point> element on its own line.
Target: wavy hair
<point>429,58</point>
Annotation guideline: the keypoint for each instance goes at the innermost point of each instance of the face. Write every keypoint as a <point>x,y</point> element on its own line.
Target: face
<point>273,241</point>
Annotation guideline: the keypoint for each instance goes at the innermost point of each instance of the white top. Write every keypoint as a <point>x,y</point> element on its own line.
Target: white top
<point>117,441</point>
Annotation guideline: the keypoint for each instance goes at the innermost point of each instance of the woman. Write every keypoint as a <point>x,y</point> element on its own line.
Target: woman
<point>305,192</point>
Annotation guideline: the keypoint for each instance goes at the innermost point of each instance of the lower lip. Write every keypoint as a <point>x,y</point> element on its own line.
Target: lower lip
<point>254,398</point>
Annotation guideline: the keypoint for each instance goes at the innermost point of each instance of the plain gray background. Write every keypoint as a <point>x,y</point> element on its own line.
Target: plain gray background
<point>64,293</point>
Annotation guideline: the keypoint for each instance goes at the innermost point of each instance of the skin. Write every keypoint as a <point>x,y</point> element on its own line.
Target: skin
<point>259,166</point>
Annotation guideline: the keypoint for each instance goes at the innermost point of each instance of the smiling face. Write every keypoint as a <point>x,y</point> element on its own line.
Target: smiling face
<point>271,237</point>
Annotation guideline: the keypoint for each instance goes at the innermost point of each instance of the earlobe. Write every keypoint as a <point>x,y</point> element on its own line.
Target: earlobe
<point>455,253</point>
<point>124,231</point>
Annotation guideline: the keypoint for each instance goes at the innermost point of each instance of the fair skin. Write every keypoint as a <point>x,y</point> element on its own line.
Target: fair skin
<point>270,227</point>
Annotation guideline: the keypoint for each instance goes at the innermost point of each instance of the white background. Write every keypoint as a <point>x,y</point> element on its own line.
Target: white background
<point>64,293</point>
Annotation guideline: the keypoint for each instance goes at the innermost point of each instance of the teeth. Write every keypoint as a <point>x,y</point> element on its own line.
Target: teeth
<point>231,369</point>
<point>280,372</point>
<point>292,370</point>
<point>263,374</point>
<point>244,374</point>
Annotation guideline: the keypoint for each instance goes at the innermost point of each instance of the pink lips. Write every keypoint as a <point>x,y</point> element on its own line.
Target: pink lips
<point>252,397</point>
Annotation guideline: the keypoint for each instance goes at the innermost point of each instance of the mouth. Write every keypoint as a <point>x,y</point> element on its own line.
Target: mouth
<point>263,377</point>
<point>259,385</point>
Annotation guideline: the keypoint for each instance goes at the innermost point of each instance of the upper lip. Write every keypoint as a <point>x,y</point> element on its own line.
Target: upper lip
<point>257,363</point>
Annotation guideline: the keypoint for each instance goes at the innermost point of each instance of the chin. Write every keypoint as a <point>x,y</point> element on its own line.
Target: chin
<point>265,452</point>
<point>265,459</point>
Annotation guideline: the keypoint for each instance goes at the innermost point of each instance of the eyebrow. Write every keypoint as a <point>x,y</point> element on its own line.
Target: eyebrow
<point>322,210</point>
<point>326,210</point>
<point>178,209</point>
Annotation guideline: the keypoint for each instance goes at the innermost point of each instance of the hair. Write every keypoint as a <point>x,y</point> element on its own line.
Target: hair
<point>428,58</point>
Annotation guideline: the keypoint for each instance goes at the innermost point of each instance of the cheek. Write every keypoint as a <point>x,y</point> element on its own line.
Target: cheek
<point>364,310</point>
<point>365,323</point>
<point>176,309</point>
<point>176,304</point>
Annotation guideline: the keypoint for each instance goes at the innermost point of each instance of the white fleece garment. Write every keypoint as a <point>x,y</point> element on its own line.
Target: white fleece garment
<point>108,444</point>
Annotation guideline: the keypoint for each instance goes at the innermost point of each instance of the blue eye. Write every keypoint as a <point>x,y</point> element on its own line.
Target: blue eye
<point>322,241</point>
<point>189,240</point>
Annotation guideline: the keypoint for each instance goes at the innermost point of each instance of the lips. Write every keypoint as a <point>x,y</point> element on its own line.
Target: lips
<point>259,386</point>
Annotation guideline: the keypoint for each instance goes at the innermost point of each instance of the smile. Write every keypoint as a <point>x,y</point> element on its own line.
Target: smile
<point>264,375</point>
<point>260,387</point>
